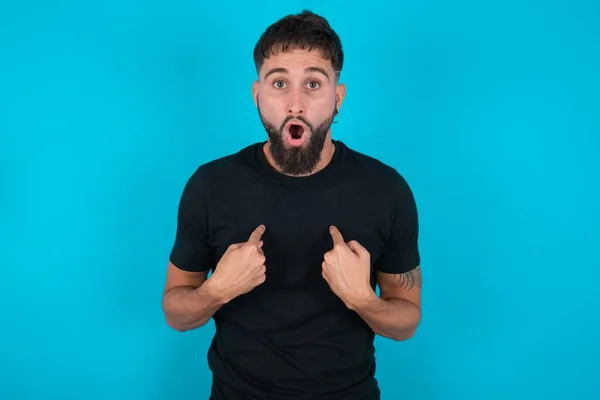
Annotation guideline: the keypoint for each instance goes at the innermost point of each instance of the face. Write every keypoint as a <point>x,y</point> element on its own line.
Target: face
<point>297,97</point>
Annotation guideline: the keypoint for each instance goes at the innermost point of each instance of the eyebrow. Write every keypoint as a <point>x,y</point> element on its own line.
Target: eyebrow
<point>285,71</point>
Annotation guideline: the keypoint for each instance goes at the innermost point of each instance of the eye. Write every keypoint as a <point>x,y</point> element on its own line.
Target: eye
<point>313,85</point>
<point>279,84</point>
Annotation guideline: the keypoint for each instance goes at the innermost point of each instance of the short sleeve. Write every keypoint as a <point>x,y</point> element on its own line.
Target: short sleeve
<point>401,253</point>
<point>191,250</point>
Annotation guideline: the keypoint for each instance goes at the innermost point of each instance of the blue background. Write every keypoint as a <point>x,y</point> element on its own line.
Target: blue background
<point>489,109</point>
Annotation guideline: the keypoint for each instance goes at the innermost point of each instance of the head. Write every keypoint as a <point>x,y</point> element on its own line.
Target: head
<point>298,60</point>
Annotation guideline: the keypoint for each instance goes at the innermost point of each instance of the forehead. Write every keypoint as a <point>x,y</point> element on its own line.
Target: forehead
<point>296,62</point>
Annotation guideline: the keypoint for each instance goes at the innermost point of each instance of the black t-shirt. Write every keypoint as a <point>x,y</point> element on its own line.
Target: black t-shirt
<point>292,337</point>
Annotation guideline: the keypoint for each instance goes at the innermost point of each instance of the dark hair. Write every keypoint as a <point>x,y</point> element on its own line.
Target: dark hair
<point>306,31</point>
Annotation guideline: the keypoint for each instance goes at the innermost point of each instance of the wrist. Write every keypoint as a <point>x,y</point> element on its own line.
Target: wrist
<point>213,291</point>
<point>363,300</point>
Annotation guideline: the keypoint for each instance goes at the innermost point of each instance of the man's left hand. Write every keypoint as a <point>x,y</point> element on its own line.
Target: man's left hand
<point>347,268</point>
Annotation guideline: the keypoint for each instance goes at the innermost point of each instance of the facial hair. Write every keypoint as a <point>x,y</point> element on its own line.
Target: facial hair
<point>297,160</point>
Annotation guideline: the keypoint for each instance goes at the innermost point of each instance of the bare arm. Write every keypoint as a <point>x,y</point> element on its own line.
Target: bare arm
<point>397,312</point>
<point>189,299</point>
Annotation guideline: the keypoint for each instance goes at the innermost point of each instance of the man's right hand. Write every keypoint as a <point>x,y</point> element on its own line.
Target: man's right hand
<point>241,268</point>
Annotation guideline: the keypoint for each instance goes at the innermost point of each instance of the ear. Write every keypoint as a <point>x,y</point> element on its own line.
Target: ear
<point>255,85</point>
<point>340,93</point>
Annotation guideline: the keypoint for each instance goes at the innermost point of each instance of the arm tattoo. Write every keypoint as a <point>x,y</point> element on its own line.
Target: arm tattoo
<point>411,278</point>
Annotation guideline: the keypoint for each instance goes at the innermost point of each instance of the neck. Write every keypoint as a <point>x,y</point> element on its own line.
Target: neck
<point>326,156</point>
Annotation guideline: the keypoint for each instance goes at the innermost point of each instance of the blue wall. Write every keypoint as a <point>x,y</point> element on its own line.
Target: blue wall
<point>490,111</point>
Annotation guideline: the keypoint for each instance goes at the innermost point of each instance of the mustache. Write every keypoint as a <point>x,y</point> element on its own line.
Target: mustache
<point>299,118</point>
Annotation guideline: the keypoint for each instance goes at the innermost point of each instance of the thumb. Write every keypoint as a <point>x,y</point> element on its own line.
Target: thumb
<point>234,246</point>
<point>357,248</point>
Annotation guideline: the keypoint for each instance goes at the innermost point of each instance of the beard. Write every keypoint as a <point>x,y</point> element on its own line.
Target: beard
<point>297,160</point>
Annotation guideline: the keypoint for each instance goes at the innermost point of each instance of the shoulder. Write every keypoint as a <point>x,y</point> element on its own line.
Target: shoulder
<point>379,175</point>
<point>223,168</point>
<point>232,164</point>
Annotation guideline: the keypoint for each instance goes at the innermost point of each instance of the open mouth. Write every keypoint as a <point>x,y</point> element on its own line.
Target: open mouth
<point>296,131</point>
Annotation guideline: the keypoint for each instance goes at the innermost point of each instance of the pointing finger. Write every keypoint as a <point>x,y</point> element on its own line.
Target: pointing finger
<point>256,235</point>
<point>336,235</point>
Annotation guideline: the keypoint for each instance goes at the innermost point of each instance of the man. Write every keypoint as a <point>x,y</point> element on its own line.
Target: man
<point>297,232</point>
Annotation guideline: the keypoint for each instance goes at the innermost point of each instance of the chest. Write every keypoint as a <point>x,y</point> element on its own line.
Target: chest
<point>297,224</point>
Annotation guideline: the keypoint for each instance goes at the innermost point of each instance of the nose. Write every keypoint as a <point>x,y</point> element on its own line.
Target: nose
<point>296,103</point>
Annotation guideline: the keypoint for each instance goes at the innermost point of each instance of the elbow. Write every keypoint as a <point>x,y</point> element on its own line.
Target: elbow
<point>171,322</point>
<point>177,326</point>
<point>177,322</point>
<point>407,332</point>
<point>183,326</point>
<point>398,335</point>
<point>404,335</point>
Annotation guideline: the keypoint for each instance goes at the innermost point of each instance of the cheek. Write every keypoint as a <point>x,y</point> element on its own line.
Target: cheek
<point>270,108</point>
<point>267,99</point>
<point>320,112</point>
<point>321,104</point>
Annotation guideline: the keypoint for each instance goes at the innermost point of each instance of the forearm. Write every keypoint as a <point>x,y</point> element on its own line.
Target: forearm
<point>393,318</point>
<point>188,308</point>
